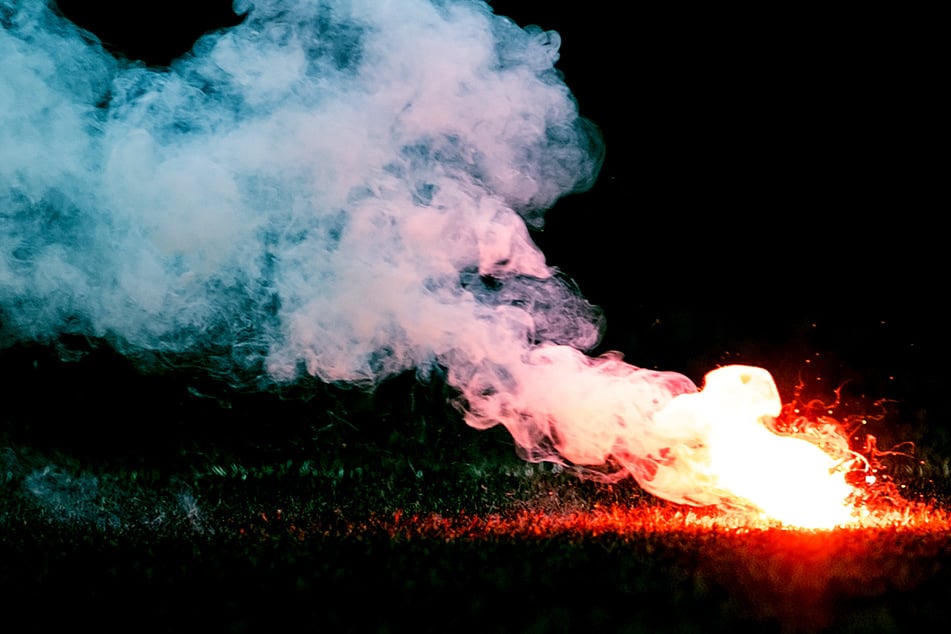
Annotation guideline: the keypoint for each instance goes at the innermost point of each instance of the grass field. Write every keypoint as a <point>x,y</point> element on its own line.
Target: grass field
<point>386,513</point>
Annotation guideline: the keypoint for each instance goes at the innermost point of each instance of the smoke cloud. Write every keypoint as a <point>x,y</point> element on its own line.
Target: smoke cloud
<point>337,189</point>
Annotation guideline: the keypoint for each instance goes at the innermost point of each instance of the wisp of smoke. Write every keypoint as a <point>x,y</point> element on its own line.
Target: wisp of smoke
<point>335,188</point>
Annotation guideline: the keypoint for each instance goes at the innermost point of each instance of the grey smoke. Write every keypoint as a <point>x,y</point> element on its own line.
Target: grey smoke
<point>339,189</point>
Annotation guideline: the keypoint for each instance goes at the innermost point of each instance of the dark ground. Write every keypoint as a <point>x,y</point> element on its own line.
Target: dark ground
<point>768,198</point>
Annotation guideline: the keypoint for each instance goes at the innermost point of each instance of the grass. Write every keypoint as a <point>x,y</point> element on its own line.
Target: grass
<point>210,508</point>
<point>543,564</point>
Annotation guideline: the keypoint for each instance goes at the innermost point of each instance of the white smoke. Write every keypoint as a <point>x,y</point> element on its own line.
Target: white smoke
<point>341,189</point>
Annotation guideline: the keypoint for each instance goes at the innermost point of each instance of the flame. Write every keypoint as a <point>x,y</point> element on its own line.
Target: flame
<point>735,459</point>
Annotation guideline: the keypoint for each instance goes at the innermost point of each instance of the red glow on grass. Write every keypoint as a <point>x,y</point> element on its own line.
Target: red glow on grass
<point>615,520</point>
<point>768,571</point>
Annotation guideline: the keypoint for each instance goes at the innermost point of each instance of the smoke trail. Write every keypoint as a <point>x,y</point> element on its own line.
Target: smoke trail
<point>340,189</point>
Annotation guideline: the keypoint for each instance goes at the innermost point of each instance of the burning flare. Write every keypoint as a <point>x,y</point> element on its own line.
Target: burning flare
<point>712,446</point>
<point>731,457</point>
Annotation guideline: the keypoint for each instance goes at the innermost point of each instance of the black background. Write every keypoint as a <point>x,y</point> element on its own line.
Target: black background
<point>770,193</point>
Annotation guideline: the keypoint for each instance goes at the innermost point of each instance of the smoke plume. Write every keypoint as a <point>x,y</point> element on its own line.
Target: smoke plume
<point>337,189</point>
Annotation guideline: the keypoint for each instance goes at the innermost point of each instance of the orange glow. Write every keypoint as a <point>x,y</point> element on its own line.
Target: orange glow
<point>742,462</point>
<point>796,578</point>
<point>626,522</point>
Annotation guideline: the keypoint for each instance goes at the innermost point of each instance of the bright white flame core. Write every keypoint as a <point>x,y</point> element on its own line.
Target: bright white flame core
<point>738,461</point>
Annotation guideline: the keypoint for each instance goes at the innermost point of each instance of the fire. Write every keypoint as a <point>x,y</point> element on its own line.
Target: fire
<point>736,460</point>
